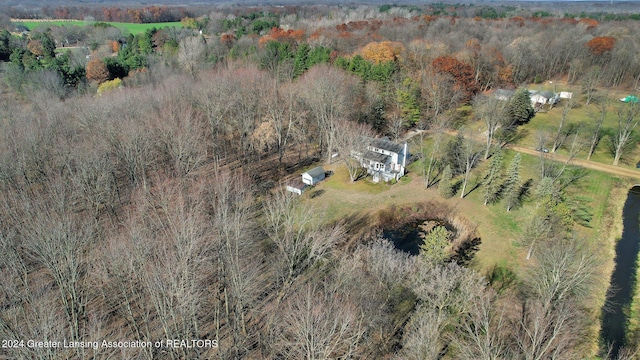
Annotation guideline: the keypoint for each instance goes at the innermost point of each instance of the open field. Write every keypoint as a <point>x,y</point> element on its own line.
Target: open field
<point>338,198</point>
<point>132,28</point>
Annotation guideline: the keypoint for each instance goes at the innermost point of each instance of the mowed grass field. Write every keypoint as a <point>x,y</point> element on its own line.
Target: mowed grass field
<point>132,28</point>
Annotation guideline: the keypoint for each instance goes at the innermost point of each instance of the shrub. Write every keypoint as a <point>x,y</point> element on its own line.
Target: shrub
<point>109,85</point>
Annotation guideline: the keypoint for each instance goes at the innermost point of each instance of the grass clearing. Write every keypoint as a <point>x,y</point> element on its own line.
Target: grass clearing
<point>547,121</point>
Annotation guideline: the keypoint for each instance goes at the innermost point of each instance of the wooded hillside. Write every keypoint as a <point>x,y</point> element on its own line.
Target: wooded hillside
<point>141,183</point>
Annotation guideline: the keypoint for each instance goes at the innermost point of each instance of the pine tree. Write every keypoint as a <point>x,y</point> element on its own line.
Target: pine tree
<point>491,178</point>
<point>512,183</point>
<point>444,187</point>
<point>547,190</point>
<point>520,109</point>
<point>301,60</point>
<point>434,247</point>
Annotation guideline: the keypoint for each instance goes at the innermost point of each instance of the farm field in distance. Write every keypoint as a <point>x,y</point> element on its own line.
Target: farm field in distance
<point>132,28</point>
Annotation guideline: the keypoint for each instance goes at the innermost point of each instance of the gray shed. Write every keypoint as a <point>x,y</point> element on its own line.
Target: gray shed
<point>313,176</point>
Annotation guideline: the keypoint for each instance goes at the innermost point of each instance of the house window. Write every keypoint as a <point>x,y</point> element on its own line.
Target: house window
<point>377,166</point>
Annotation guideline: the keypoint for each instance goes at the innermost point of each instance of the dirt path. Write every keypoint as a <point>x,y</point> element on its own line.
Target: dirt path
<point>614,170</point>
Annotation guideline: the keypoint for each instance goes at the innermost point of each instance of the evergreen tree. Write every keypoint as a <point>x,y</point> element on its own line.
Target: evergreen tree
<point>453,153</point>
<point>520,109</point>
<point>491,178</point>
<point>301,59</point>
<point>547,190</point>
<point>435,243</point>
<point>5,45</point>
<point>318,55</point>
<point>512,183</point>
<point>407,96</point>
<point>444,187</point>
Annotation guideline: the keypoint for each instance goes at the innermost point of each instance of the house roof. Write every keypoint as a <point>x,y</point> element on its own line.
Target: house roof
<point>377,157</point>
<point>544,94</point>
<point>315,172</point>
<point>547,94</point>
<point>385,144</point>
<point>297,184</point>
<point>505,93</point>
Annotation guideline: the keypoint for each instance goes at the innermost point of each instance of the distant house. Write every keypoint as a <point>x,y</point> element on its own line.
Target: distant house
<point>384,159</point>
<point>543,98</point>
<point>313,176</point>
<point>503,94</point>
<point>296,187</point>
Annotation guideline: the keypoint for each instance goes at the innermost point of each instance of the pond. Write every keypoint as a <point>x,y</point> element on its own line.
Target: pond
<point>408,238</point>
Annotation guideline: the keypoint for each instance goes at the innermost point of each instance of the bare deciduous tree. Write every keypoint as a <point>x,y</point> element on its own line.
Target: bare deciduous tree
<point>492,112</point>
<point>562,133</point>
<point>326,91</point>
<point>190,50</point>
<point>627,122</point>
<point>320,324</point>
<point>481,334</point>
<point>468,157</point>
<point>57,239</point>
<point>352,140</point>
<point>284,112</point>
<point>296,234</point>
<point>596,126</point>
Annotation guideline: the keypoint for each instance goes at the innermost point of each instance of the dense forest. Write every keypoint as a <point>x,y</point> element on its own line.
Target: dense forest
<point>141,177</point>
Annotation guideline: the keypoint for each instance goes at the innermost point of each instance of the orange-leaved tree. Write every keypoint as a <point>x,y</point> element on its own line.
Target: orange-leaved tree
<point>281,35</point>
<point>97,71</point>
<point>601,44</point>
<point>462,73</point>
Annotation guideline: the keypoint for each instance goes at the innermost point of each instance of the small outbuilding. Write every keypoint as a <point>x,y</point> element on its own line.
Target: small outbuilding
<point>630,99</point>
<point>313,176</point>
<point>296,187</point>
<point>566,95</point>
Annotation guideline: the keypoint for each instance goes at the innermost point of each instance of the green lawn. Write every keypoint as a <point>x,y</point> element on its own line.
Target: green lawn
<point>549,119</point>
<point>132,28</point>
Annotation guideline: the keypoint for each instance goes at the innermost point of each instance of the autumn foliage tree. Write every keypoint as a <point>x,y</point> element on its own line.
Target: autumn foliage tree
<point>379,52</point>
<point>462,73</point>
<point>97,71</point>
<point>601,44</point>
<point>278,34</point>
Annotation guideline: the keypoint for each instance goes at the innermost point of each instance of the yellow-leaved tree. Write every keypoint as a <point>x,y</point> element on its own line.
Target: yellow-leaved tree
<point>382,51</point>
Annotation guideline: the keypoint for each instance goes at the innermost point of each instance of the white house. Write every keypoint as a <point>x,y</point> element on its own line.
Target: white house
<point>385,160</point>
<point>543,97</point>
<point>313,176</point>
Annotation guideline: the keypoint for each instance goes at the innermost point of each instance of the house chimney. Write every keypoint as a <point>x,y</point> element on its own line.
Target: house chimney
<point>404,158</point>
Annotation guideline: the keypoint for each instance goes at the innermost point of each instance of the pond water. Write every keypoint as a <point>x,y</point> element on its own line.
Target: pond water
<point>619,295</point>
<point>408,238</point>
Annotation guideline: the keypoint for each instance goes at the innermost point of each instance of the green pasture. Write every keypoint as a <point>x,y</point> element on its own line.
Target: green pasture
<point>132,28</point>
